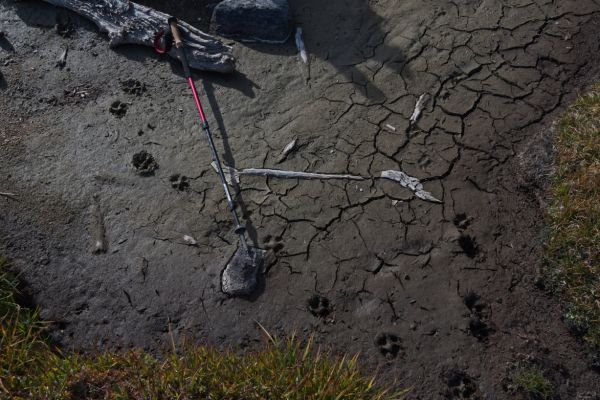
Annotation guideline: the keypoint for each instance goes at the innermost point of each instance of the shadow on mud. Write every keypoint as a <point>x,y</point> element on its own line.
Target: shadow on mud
<point>342,36</point>
<point>347,37</point>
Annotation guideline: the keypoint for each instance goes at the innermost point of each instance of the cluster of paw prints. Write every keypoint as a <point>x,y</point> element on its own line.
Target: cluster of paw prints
<point>131,87</point>
<point>388,344</point>
<point>479,326</point>
<point>144,163</point>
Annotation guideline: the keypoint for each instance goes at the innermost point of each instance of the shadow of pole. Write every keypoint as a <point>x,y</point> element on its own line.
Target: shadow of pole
<point>229,159</point>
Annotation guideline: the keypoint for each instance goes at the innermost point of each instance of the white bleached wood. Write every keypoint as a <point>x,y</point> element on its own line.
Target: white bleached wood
<point>277,173</point>
<point>411,183</point>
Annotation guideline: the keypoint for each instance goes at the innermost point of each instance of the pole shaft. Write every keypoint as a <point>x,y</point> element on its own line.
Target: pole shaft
<point>239,229</point>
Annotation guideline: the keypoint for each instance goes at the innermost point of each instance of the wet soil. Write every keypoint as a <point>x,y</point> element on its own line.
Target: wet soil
<point>439,297</point>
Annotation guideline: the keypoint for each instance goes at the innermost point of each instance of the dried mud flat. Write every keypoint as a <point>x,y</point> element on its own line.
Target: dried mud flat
<point>440,297</point>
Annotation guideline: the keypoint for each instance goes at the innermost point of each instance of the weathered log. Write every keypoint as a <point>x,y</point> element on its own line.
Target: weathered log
<point>127,22</point>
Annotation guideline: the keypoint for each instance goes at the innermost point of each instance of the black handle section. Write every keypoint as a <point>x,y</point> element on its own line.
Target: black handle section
<point>184,62</point>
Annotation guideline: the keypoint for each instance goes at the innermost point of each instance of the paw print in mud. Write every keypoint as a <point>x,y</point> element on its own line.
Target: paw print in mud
<point>179,182</point>
<point>389,345</point>
<point>319,306</point>
<point>144,163</point>
<point>273,243</point>
<point>118,109</point>
<point>133,86</point>
<point>460,386</point>
<point>480,312</point>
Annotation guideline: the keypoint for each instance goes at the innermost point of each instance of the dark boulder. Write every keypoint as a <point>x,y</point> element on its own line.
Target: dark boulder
<point>266,21</point>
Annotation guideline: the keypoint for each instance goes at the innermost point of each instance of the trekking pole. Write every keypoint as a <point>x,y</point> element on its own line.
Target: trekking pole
<point>239,228</point>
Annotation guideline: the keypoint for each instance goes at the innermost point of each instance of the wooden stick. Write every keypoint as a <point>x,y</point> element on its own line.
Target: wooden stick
<point>11,196</point>
<point>277,173</point>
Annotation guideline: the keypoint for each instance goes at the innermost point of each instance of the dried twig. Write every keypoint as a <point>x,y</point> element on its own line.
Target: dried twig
<point>233,178</point>
<point>418,110</point>
<point>98,232</point>
<point>11,196</point>
<point>277,173</point>
<point>411,183</point>
<point>287,150</point>
<point>62,60</point>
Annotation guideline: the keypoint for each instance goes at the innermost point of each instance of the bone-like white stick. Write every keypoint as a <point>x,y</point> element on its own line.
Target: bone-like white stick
<point>411,183</point>
<point>232,175</point>
<point>11,196</point>
<point>296,174</point>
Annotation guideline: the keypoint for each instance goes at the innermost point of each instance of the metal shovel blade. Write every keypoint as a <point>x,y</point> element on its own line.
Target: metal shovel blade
<point>240,275</point>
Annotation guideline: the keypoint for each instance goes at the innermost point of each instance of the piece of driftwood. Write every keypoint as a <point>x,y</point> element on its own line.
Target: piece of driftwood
<point>232,176</point>
<point>62,60</point>
<point>277,173</point>
<point>189,240</point>
<point>98,232</point>
<point>411,183</point>
<point>10,196</point>
<point>418,110</point>
<point>127,22</point>
<point>287,150</point>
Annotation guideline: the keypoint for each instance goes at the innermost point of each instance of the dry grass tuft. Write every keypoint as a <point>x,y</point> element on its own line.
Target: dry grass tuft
<point>29,368</point>
<point>572,251</point>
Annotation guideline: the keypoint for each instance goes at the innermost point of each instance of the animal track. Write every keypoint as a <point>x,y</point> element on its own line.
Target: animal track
<point>144,163</point>
<point>461,221</point>
<point>478,327</point>
<point>469,246</point>
<point>273,243</point>
<point>460,386</point>
<point>179,182</point>
<point>424,161</point>
<point>389,345</point>
<point>319,306</point>
<point>133,86</point>
<point>118,109</point>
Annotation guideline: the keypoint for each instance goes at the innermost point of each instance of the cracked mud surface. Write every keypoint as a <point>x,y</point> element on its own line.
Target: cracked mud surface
<point>496,74</point>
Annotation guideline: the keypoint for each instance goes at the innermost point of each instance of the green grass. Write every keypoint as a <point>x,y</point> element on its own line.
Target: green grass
<point>572,251</point>
<point>533,382</point>
<point>30,368</point>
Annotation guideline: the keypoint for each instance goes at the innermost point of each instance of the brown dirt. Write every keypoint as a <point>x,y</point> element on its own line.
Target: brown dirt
<point>440,297</point>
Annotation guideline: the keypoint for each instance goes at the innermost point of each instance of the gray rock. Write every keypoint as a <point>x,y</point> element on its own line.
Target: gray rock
<point>266,21</point>
<point>240,275</point>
